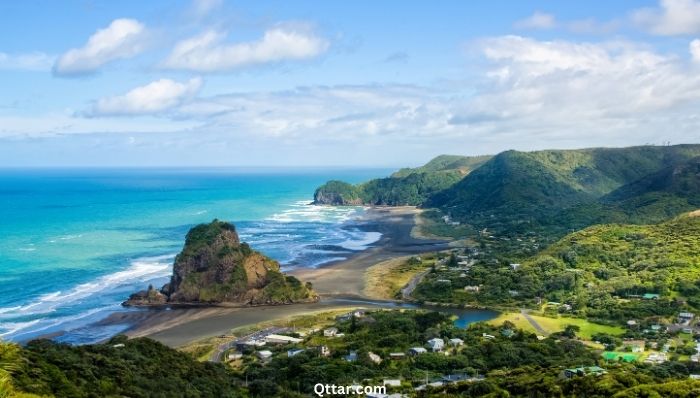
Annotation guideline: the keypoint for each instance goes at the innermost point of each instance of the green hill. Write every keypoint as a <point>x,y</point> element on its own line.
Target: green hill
<point>560,189</point>
<point>659,195</point>
<point>463,164</point>
<point>405,187</point>
<point>592,267</point>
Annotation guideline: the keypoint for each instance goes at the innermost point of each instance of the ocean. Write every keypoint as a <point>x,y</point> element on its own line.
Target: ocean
<point>75,243</point>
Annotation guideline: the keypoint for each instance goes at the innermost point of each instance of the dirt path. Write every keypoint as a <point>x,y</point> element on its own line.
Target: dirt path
<point>534,323</point>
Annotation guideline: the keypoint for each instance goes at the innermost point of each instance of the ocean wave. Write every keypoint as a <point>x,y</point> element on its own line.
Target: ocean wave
<point>361,244</point>
<point>141,269</point>
<point>303,211</point>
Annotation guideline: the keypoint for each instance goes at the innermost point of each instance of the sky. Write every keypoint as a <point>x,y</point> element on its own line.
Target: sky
<point>329,83</point>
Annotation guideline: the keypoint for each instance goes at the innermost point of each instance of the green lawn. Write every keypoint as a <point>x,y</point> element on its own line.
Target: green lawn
<point>551,325</point>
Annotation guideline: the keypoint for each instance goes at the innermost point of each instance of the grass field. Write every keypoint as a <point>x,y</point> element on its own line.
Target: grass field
<point>385,280</point>
<point>551,325</point>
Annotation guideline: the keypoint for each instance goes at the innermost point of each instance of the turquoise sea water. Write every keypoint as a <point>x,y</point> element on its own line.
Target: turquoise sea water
<point>75,243</point>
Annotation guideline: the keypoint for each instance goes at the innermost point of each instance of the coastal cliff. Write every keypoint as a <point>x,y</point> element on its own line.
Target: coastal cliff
<point>216,267</point>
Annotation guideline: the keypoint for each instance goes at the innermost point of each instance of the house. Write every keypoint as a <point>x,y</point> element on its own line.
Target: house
<point>351,357</point>
<point>295,352</point>
<point>264,354</point>
<point>324,351</point>
<point>456,342</point>
<point>634,345</point>
<point>514,267</point>
<point>584,371</point>
<point>417,350</point>
<point>445,281</point>
<point>472,288</point>
<point>392,382</point>
<point>507,332</point>
<point>249,344</point>
<point>650,296</point>
<point>686,316</point>
<point>436,344</point>
<point>488,336</point>
<point>374,357</point>
<point>280,339</point>
<point>120,345</point>
<point>234,355</point>
<point>656,358</point>
<point>631,323</point>
<point>330,332</point>
<point>397,355</point>
<point>656,328</point>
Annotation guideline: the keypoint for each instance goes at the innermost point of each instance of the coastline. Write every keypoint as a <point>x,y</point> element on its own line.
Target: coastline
<point>338,283</point>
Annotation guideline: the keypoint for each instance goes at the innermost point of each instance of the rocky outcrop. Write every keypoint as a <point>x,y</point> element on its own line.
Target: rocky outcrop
<point>337,193</point>
<point>215,267</point>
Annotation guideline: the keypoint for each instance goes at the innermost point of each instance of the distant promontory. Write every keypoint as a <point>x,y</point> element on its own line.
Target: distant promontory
<point>215,267</point>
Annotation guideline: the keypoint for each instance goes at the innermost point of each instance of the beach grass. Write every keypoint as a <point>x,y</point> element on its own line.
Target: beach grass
<point>386,279</point>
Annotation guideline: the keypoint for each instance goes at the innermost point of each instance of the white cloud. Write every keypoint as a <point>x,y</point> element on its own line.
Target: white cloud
<point>672,17</point>
<point>538,20</point>
<point>123,38</point>
<point>202,8</point>
<point>35,61</point>
<point>694,48</point>
<point>208,52</point>
<point>155,97</point>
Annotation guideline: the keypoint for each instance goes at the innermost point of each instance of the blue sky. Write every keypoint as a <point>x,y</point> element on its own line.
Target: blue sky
<point>362,83</point>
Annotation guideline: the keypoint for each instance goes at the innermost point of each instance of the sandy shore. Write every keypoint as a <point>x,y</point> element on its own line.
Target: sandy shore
<point>338,284</point>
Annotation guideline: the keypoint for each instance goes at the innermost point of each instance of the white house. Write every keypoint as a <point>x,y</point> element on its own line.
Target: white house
<point>374,357</point>
<point>280,339</point>
<point>469,288</point>
<point>330,332</point>
<point>417,350</point>
<point>233,355</point>
<point>515,267</point>
<point>264,354</point>
<point>456,342</point>
<point>392,382</point>
<point>436,344</point>
<point>324,351</point>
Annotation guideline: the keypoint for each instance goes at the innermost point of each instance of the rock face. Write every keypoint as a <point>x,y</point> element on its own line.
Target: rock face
<point>215,267</point>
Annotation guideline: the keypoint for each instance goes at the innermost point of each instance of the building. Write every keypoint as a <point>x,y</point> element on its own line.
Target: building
<point>280,339</point>
<point>656,358</point>
<point>632,323</point>
<point>374,357</point>
<point>397,355</point>
<point>324,351</point>
<point>488,336</point>
<point>351,357</point>
<point>264,354</point>
<point>650,296</point>
<point>584,371</point>
<point>686,317</point>
<point>455,378</point>
<point>234,355</point>
<point>514,267</point>
<point>472,288</point>
<point>295,352</point>
<point>456,342</point>
<point>634,345</point>
<point>436,344</point>
<point>417,350</point>
<point>392,382</point>
<point>330,332</point>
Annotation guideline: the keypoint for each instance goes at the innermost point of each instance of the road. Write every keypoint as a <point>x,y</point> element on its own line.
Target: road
<point>534,323</point>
